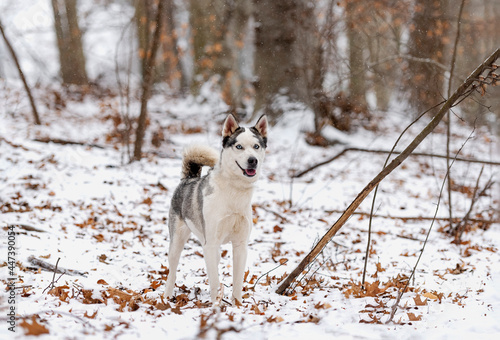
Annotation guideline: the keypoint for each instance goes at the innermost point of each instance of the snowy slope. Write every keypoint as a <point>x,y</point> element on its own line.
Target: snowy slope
<point>101,216</point>
<point>86,209</point>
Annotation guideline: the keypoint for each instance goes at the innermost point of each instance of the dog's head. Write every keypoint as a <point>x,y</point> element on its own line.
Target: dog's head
<point>243,149</point>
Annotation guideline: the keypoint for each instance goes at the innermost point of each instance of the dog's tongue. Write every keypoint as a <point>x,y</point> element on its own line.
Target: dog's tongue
<point>250,172</point>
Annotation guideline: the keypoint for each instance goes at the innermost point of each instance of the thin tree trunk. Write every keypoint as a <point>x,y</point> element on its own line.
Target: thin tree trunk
<point>461,91</point>
<point>286,47</point>
<point>21,74</point>
<point>429,27</point>
<point>356,62</point>
<point>448,116</point>
<point>142,20</point>
<point>147,84</point>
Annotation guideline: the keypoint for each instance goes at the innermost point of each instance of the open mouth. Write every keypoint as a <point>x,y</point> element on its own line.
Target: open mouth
<point>247,172</point>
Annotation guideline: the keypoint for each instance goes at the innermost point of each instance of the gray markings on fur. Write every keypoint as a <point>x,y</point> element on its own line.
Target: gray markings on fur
<point>229,141</point>
<point>262,140</point>
<point>186,208</point>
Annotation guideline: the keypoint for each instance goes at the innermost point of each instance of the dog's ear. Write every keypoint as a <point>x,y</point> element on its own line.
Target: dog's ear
<point>230,126</point>
<point>261,126</point>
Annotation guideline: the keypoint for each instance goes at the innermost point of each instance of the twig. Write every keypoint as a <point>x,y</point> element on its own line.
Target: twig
<point>473,77</point>
<point>283,219</point>
<point>460,228</point>
<point>418,154</point>
<point>368,242</point>
<point>398,299</point>
<point>267,273</point>
<point>52,284</point>
<point>411,58</point>
<point>65,142</point>
<point>124,112</point>
<point>21,74</point>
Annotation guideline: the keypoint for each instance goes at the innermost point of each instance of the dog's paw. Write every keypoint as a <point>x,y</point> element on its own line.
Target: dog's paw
<point>166,296</point>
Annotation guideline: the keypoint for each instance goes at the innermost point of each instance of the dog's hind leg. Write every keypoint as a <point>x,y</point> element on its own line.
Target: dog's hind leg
<point>177,241</point>
<point>239,261</point>
<point>212,259</point>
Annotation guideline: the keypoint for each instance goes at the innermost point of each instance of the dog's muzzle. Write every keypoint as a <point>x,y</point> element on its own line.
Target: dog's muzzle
<point>251,169</point>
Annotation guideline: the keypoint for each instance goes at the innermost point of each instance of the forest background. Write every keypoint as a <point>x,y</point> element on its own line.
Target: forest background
<point>140,79</point>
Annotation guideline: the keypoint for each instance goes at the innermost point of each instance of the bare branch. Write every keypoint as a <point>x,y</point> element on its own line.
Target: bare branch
<point>21,74</point>
<point>418,154</point>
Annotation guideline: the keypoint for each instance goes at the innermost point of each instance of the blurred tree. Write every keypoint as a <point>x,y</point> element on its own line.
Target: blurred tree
<point>218,29</point>
<point>479,38</point>
<point>288,55</point>
<point>383,28</point>
<point>354,21</point>
<point>167,66</point>
<point>427,48</point>
<point>147,81</point>
<point>69,42</point>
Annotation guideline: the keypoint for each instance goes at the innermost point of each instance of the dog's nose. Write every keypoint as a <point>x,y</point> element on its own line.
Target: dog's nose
<point>252,162</point>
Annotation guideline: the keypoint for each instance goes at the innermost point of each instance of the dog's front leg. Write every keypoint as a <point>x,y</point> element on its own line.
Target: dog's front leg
<point>212,259</point>
<point>239,261</point>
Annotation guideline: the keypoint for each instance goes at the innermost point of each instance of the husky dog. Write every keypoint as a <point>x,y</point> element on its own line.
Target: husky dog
<point>217,208</point>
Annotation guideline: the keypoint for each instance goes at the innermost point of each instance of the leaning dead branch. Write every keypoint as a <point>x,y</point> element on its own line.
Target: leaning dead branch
<point>472,83</point>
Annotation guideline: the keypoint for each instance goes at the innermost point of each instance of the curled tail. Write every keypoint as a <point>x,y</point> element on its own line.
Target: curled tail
<point>195,157</point>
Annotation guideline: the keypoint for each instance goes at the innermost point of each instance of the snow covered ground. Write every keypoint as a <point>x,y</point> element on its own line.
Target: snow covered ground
<point>96,214</point>
<point>84,207</point>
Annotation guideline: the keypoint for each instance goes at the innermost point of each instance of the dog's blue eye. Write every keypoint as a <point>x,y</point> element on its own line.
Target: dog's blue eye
<point>256,146</point>
<point>239,147</point>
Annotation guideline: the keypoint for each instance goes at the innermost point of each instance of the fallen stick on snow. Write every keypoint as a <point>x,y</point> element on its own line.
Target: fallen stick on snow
<point>51,268</point>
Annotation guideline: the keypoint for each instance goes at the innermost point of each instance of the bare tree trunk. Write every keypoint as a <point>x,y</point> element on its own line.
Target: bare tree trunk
<point>21,74</point>
<point>171,62</point>
<point>427,36</point>
<point>147,82</point>
<point>218,31</point>
<point>69,42</point>
<point>357,86</point>
<point>287,43</point>
<point>143,17</point>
